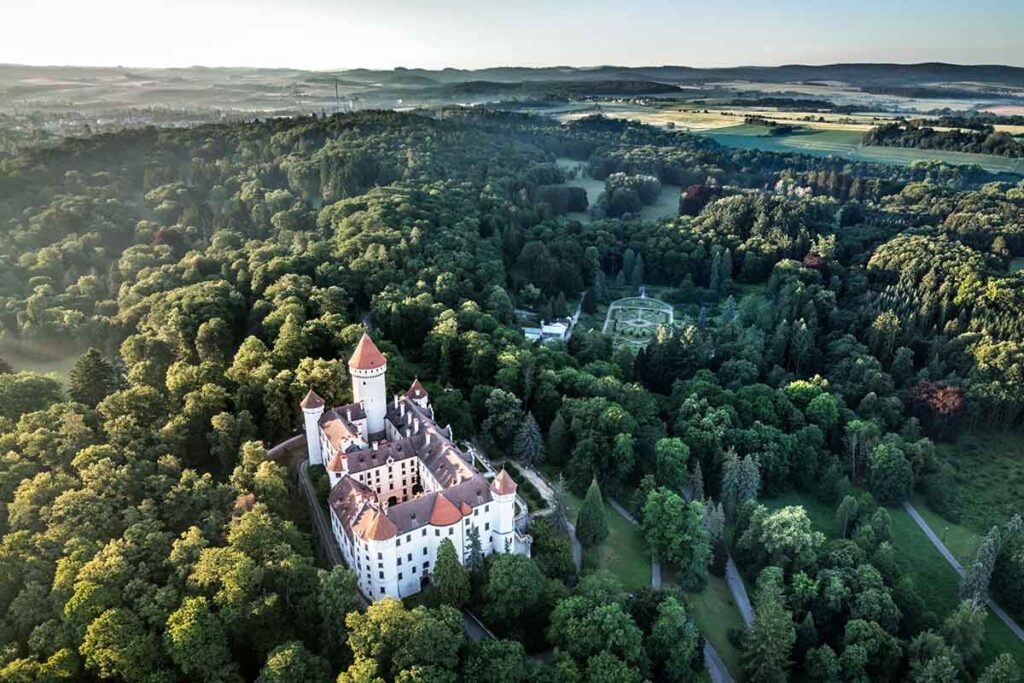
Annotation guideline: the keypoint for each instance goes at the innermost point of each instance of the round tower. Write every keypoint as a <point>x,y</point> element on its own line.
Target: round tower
<point>503,492</point>
<point>312,408</point>
<point>368,367</point>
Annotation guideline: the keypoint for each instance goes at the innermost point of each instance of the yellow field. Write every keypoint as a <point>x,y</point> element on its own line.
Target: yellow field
<point>701,118</point>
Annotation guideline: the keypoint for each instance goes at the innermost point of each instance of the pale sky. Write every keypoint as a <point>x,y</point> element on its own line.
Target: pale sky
<point>339,34</point>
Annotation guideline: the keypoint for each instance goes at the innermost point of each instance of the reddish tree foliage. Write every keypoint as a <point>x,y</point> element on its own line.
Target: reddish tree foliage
<point>937,405</point>
<point>814,261</point>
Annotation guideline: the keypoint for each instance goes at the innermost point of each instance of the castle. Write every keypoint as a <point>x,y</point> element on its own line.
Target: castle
<point>400,485</point>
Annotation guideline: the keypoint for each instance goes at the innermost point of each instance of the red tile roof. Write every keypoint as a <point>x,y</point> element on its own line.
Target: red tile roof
<point>416,390</point>
<point>366,356</point>
<point>503,484</point>
<point>312,400</point>
<point>465,509</point>
<point>373,525</point>
<point>444,512</point>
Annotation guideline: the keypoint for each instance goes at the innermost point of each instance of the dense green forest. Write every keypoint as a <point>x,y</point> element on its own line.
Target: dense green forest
<point>846,318</point>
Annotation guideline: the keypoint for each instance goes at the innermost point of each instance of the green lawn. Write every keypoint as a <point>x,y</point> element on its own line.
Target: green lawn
<point>936,582</point>
<point>939,585</point>
<point>715,613</point>
<point>990,472</point>
<point>624,553</point>
<point>960,540</point>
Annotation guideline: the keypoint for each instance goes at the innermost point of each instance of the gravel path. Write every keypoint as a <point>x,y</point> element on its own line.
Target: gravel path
<point>955,564</point>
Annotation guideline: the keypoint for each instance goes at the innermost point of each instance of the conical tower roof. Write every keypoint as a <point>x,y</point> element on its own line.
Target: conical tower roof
<point>366,356</point>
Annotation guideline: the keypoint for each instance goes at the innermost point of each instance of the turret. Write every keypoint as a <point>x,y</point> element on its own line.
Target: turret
<point>368,367</point>
<point>503,489</point>
<point>312,409</point>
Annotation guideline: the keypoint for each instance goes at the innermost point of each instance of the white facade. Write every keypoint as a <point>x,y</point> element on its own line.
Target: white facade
<point>398,490</point>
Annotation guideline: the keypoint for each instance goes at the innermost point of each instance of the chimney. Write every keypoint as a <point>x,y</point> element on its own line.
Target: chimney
<point>428,436</point>
<point>403,408</point>
<point>396,401</point>
<point>416,426</point>
<point>349,411</point>
<point>375,445</point>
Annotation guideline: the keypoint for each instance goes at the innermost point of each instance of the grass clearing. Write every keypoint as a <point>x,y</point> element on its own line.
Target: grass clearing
<point>990,473</point>
<point>715,613</point>
<point>939,585</point>
<point>624,553</point>
<point>936,581</point>
<point>38,359</point>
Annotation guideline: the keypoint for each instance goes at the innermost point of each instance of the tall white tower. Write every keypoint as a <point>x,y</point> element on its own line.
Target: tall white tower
<point>312,408</point>
<point>503,490</point>
<point>367,366</point>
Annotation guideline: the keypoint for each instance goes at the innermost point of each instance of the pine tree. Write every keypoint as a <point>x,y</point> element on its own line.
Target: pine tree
<point>560,308</point>
<point>697,482</point>
<point>636,277</point>
<point>591,525</point>
<point>729,310</point>
<point>979,574</point>
<point>528,446</point>
<point>475,557</point>
<point>558,440</point>
<point>750,480</point>
<point>715,282</point>
<point>771,637</point>
<point>731,483</point>
<point>450,579</point>
<point>92,378</point>
<point>601,287</point>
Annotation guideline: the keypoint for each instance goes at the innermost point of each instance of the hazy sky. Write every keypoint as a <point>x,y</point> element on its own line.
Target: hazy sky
<point>332,34</point>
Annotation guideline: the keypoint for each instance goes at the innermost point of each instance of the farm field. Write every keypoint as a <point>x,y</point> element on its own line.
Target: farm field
<point>847,144</point>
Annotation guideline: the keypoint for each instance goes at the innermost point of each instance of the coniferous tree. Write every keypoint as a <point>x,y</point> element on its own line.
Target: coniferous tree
<point>558,440</point>
<point>450,579</point>
<point>978,576</point>
<point>771,637</point>
<point>697,482</point>
<point>560,506</point>
<point>591,524</point>
<point>601,287</point>
<point>92,378</point>
<point>560,308</point>
<point>475,557</point>
<point>528,446</point>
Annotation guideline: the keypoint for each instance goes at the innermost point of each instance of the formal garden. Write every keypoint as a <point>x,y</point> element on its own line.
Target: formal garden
<point>634,320</point>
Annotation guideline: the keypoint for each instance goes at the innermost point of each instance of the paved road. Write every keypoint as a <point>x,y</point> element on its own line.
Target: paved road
<point>739,591</point>
<point>955,564</point>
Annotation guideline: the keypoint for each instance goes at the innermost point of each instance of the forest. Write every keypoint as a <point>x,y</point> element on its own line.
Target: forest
<point>849,320</point>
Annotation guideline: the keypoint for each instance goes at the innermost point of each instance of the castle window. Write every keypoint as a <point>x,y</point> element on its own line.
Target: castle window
<point>381,574</point>
<point>380,556</point>
<point>399,562</point>
<point>382,587</point>
<point>424,551</point>
<point>487,508</point>
<point>410,557</point>
<point>437,532</point>
<point>398,542</point>
<point>399,576</point>
<point>487,526</point>
<point>476,512</point>
<point>451,530</point>
<point>424,532</point>
<point>413,570</point>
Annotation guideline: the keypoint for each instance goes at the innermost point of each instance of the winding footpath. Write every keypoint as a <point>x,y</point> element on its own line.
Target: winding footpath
<point>958,568</point>
<point>717,670</point>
